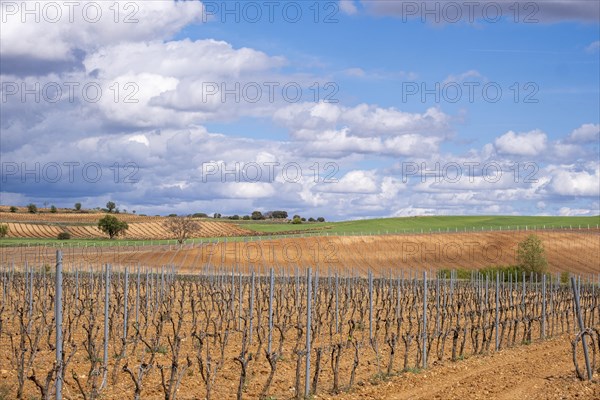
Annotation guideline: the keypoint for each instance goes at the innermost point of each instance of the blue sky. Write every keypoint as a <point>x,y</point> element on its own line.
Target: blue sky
<point>161,112</point>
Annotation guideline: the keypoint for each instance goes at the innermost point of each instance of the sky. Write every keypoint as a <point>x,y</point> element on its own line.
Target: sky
<point>342,109</point>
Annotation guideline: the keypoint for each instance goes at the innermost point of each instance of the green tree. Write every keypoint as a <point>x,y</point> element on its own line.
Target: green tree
<point>530,255</point>
<point>297,220</point>
<point>32,208</point>
<point>110,206</point>
<point>112,226</point>
<point>53,209</point>
<point>13,209</point>
<point>77,206</point>
<point>321,219</point>
<point>3,230</point>
<point>257,215</point>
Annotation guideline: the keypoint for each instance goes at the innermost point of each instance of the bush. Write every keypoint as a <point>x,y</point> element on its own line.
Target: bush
<point>64,236</point>
<point>32,208</point>
<point>199,215</point>
<point>53,209</point>
<point>3,230</point>
<point>530,255</point>
<point>13,209</point>
<point>172,215</point>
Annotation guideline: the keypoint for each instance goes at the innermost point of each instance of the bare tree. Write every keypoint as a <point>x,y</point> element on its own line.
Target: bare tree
<point>182,227</point>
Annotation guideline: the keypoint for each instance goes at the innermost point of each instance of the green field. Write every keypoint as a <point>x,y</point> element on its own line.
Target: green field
<point>428,224</point>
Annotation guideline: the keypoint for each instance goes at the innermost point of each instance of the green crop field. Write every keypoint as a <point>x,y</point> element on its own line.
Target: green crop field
<point>427,224</point>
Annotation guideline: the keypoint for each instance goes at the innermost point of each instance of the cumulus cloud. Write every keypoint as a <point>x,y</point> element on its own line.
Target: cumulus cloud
<point>57,31</point>
<point>585,133</point>
<point>569,181</point>
<point>530,143</point>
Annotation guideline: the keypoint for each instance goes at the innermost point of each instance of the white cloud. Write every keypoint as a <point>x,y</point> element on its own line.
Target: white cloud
<point>569,212</point>
<point>531,143</point>
<point>585,133</point>
<point>566,181</point>
<point>62,28</point>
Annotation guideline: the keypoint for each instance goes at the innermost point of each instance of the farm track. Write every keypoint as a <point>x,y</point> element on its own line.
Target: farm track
<point>542,370</point>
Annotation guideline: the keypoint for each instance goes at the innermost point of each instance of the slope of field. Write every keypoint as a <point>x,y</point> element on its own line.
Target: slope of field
<point>573,251</point>
<point>71,218</point>
<point>137,230</point>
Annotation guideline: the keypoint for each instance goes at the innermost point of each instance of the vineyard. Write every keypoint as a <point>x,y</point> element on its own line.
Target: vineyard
<point>144,333</point>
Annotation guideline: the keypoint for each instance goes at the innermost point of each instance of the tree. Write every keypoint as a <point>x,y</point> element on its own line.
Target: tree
<point>296,220</point>
<point>77,206</point>
<point>321,219</point>
<point>32,208</point>
<point>53,209</point>
<point>235,217</point>
<point>110,206</point>
<point>530,255</point>
<point>296,216</point>
<point>13,209</point>
<point>112,226</point>
<point>216,215</point>
<point>257,215</point>
<point>311,219</point>
<point>200,215</point>
<point>181,227</point>
<point>246,218</point>
<point>279,214</point>
<point>3,230</point>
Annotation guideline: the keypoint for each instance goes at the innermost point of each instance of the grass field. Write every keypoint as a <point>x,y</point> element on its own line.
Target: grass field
<point>443,223</point>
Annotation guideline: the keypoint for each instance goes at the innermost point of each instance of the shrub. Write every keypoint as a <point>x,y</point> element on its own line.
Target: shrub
<point>530,255</point>
<point>53,209</point>
<point>32,208</point>
<point>64,236</point>
<point>199,215</point>
<point>3,230</point>
<point>172,215</point>
<point>13,209</point>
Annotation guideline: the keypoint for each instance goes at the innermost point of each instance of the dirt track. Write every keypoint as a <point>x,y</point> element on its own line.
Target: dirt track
<point>542,370</point>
